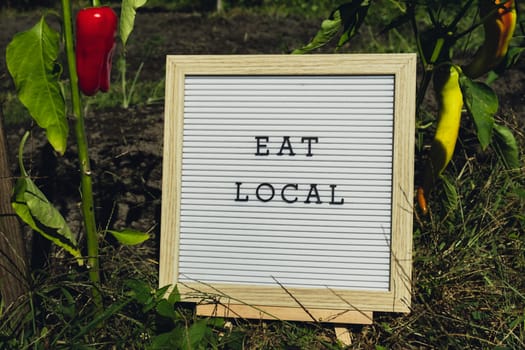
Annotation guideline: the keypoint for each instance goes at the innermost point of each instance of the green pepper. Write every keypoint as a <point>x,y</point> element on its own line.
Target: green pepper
<point>96,29</point>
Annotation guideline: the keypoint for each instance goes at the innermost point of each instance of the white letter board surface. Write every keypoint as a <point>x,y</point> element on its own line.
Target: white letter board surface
<point>289,175</point>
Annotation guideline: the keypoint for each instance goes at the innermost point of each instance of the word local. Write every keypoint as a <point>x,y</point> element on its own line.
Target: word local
<point>265,192</point>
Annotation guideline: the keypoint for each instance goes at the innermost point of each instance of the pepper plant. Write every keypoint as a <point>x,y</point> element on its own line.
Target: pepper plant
<point>438,28</point>
<point>129,8</point>
<point>32,59</point>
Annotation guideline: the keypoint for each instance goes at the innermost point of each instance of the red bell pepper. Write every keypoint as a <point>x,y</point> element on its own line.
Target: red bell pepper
<point>96,29</point>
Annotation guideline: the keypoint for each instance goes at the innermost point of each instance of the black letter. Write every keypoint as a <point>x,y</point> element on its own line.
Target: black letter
<point>261,146</point>
<point>238,199</point>
<point>266,184</point>
<point>309,139</point>
<point>313,193</point>
<point>333,196</point>
<point>294,186</point>
<point>286,141</point>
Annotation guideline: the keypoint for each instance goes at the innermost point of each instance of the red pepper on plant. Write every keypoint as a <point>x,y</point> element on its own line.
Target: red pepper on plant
<point>96,29</point>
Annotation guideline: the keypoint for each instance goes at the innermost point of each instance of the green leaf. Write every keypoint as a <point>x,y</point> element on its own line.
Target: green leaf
<point>482,103</point>
<point>35,210</point>
<point>129,236</point>
<point>197,333</point>
<point>140,291</point>
<point>329,28</point>
<point>32,62</point>
<point>32,206</point>
<point>168,340</point>
<point>507,146</point>
<point>161,292</point>
<point>165,309</point>
<point>127,17</point>
<point>347,18</point>
<point>174,296</point>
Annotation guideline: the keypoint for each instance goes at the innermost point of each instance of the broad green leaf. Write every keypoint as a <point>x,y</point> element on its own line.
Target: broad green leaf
<point>196,333</point>
<point>129,237</point>
<point>165,309</point>
<point>32,62</point>
<point>329,28</point>
<point>507,146</point>
<point>482,103</point>
<point>127,17</point>
<point>32,206</point>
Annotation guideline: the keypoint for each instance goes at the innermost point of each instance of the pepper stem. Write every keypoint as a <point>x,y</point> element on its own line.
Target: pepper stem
<point>86,186</point>
<point>96,3</point>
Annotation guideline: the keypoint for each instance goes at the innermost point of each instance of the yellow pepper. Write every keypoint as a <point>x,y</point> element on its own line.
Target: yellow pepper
<point>499,27</point>
<point>450,103</point>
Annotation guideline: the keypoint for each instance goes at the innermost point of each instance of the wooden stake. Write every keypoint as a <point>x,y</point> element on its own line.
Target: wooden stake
<point>344,335</point>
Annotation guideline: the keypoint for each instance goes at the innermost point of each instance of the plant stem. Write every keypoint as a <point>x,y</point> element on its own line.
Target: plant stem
<point>96,3</point>
<point>21,154</point>
<point>122,68</point>
<point>86,186</point>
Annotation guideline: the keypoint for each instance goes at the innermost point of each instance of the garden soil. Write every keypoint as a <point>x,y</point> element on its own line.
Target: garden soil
<point>126,144</point>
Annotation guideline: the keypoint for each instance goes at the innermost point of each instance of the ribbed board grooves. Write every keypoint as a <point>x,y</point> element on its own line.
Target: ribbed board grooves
<point>298,244</point>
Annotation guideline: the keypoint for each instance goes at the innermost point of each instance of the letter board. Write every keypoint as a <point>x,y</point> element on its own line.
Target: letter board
<point>287,180</point>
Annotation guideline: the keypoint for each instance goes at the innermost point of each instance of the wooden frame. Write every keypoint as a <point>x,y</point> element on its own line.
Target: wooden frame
<point>279,301</point>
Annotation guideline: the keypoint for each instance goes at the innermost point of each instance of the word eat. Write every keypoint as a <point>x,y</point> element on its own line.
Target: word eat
<point>261,142</point>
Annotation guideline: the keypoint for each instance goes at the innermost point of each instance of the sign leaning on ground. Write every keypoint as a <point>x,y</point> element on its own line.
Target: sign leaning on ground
<point>288,184</point>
